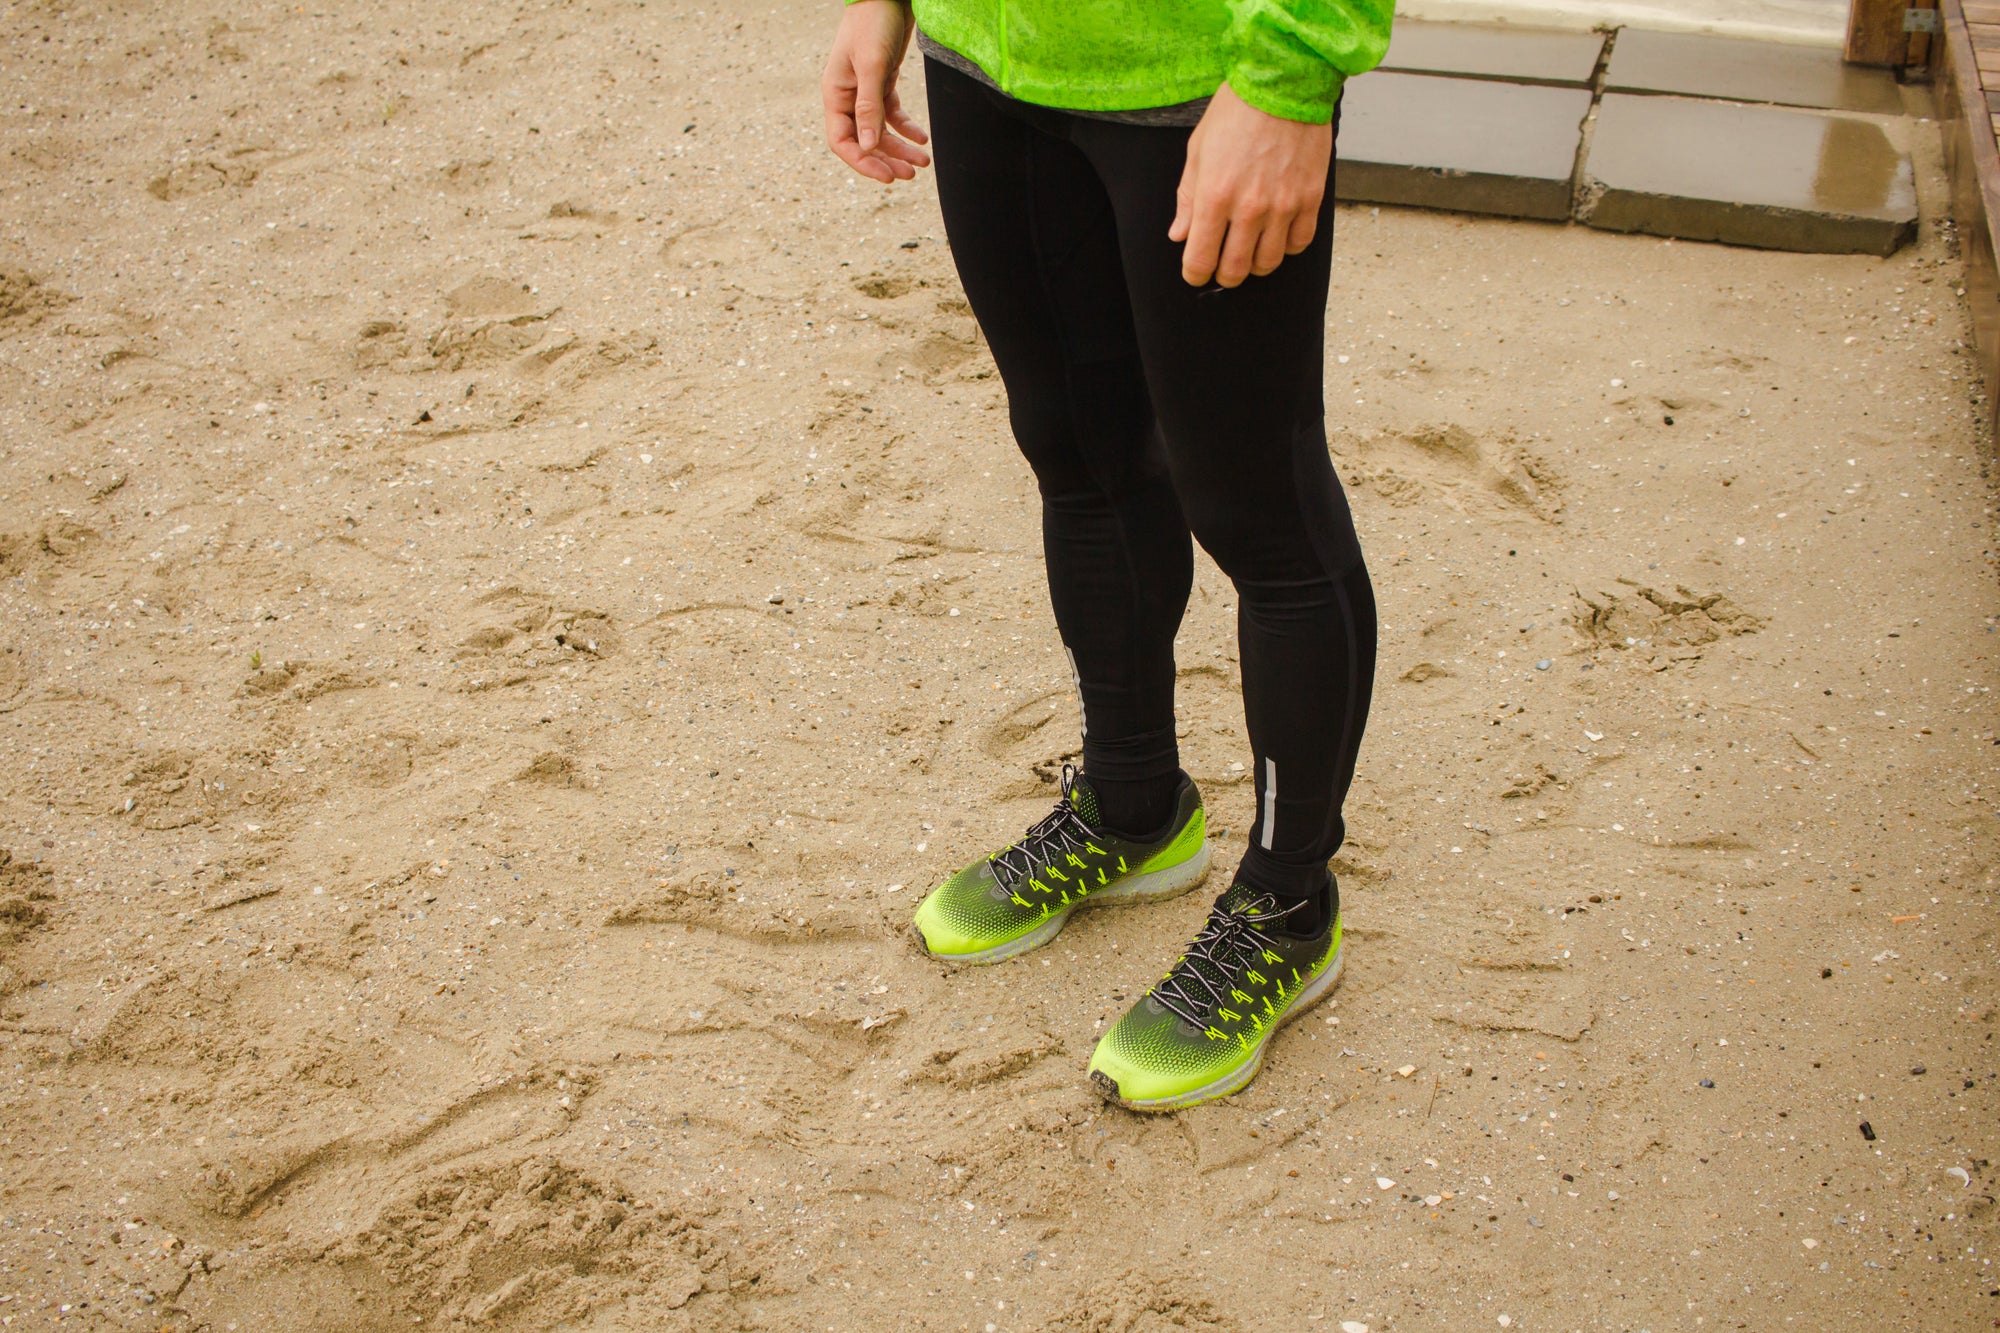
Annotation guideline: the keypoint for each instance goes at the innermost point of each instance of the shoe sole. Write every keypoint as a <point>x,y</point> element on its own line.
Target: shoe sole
<point>1152,887</point>
<point>1238,1078</point>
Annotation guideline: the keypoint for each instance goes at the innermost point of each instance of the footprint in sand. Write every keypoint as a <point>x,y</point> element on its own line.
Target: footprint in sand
<point>177,788</point>
<point>300,682</point>
<point>24,299</point>
<point>1022,724</point>
<point>552,769</point>
<point>468,175</point>
<point>488,320</point>
<point>518,635</point>
<point>25,898</point>
<point>1140,1300</point>
<point>1453,464</point>
<point>44,550</point>
<point>201,177</point>
<point>1653,622</point>
<point>531,1243</point>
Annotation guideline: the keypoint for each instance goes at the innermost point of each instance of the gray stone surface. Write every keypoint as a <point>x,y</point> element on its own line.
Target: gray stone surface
<point>1486,51</point>
<point>1471,145</point>
<point>1771,177</point>
<point>1697,65</point>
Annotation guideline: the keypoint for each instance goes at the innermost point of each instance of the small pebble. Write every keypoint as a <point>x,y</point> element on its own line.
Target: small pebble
<point>1868,1131</point>
<point>1708,1083</point>
<point>1353,1326</point>
<point>1544,664</point>
<point>1384,1183</point>
<point>1919,1069</point>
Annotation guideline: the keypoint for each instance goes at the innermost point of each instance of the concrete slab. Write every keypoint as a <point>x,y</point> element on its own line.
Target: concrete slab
<point>1470,145</point>
<point>1485,51</point>
<point>1770,177</point>
<point>1813,22</point>
<point>1696,65</point>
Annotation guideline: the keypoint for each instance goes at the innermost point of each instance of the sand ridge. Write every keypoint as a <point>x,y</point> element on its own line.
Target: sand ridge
<point>518,579</point>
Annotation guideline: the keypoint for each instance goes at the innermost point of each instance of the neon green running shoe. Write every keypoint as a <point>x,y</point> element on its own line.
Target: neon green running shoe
<point>1201,1032</point>
<point>1020,898</point>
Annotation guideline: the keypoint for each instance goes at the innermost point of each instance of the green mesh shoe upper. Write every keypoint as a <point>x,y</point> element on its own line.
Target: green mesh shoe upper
<point>1200,1032</point>
<point>1019,897</point>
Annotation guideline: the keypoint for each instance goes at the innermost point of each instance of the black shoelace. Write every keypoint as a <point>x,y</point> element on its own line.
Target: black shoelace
<point>1061,830</point>
<point>1226,945</point>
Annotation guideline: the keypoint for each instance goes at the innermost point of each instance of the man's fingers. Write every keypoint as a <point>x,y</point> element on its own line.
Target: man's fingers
<point>891,160</point>
<point>840,138</point>
<point>1205,234</point>
<point>893,147</point>
<point>1239,251</point>
<point>1305,226</point>
<point>869,77</point>
<point>900,121</point>
<point>1184,202</point>
<point>1270,251</point>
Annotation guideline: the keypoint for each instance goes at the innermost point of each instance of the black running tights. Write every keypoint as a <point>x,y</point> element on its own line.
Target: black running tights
<point>1150,410</point>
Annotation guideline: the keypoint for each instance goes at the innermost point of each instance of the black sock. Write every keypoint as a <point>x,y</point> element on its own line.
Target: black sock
<point>1310,889</point>
<point>1135,809</point>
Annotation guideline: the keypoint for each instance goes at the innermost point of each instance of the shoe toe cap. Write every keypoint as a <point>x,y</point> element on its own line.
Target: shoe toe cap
<point>1116,1072</point>
<point>933,925</point>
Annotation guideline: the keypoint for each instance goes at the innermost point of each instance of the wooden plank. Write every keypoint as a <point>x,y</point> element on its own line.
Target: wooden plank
<point>1985,36</point>
<point>1875,32</point>
<point>1993,102</point>
<point>1918,46</point>
<point>1983,11</point>
<point>1972,164</point>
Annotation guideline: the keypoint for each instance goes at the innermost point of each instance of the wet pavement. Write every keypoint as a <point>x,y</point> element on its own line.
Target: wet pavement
<point>1519,55</point>
<point>1771,177</point>
<point>1696,65</point>
<point>1502,148</point>
<point>1673,134</point>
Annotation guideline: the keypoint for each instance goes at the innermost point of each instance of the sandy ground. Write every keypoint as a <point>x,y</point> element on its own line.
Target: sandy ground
<point>516,579</point>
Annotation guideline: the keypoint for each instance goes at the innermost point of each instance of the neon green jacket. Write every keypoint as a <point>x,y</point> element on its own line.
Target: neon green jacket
<point>1285,57</point>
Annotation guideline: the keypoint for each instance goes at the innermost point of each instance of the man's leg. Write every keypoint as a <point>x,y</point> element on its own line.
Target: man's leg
<point>1036,246</point>
<point>1036,242</point>
<point>1235,378</point>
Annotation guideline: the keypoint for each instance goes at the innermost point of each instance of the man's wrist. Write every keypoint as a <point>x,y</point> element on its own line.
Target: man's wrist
<point>1283,99</point>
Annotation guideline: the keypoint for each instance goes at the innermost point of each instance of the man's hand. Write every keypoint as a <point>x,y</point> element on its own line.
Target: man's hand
<point>863,114</point>
<point>1250,192</point>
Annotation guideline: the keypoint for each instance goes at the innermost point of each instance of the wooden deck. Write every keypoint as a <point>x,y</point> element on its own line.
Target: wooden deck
<point>1982,25</point>
<point>1967,99</point>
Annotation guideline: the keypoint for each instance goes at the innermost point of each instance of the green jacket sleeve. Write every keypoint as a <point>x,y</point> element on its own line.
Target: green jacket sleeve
<point>1290,57</point>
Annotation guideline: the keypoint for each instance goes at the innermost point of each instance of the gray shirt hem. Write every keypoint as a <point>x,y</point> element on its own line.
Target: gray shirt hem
<point>1181,116</point>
